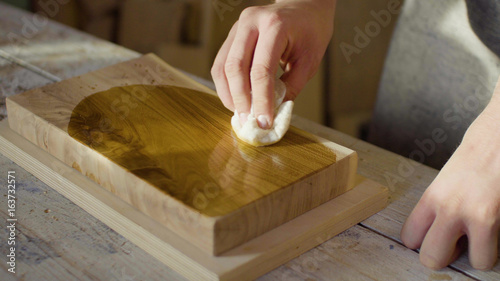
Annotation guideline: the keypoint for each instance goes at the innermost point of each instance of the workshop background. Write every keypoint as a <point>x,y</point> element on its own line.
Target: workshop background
<point>188,33</point>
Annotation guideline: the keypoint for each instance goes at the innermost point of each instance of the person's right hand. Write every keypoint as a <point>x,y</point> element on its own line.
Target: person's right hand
<point>290,33</point>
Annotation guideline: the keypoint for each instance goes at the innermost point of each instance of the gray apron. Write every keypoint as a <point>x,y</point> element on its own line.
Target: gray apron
<point>440,71</point>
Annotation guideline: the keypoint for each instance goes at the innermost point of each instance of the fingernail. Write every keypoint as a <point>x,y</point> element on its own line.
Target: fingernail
<point>263,122</point>
<point>243,118</point>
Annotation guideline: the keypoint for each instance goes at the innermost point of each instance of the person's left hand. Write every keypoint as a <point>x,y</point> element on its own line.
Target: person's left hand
<point>464,199</point>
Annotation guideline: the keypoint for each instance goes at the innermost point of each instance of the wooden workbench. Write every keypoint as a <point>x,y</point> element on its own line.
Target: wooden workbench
<point>60,241</point>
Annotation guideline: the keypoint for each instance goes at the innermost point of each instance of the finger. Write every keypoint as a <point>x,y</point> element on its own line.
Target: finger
<point>218,74</point>
<point>483,242</point>
<point>270,46</point>
<point>459,249</point>
<point>417,224</point>
<point>440,244</point>
<point>296,76</point>
<point>237,68</point>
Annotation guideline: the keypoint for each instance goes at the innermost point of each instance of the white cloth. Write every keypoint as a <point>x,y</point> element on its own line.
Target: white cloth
<point>252,134</point>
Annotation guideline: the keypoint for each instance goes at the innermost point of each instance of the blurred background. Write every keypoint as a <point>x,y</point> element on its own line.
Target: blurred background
<point>188,33</point>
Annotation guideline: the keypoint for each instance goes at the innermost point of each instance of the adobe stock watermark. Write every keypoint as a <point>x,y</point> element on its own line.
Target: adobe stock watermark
<point>33,24</point>
<point>124,105</point>
<point>362,38</point>
<point>11,221</point>
<point>201,198</point>
<point>223,6</point>
<point>453,116</point>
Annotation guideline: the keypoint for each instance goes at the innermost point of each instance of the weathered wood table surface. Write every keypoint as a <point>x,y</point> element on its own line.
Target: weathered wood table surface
<point>57,240</point>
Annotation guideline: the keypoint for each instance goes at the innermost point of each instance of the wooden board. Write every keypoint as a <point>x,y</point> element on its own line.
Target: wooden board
<point>163,143</point>
<point>245,262</point>
<point>373,257</point>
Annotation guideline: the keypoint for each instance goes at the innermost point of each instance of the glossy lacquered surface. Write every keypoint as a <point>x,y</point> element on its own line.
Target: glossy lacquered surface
<point>180,141</point>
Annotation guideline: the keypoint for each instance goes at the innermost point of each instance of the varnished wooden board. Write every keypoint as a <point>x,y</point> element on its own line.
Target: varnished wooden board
<point>163,143</point>
<point>245,262</point>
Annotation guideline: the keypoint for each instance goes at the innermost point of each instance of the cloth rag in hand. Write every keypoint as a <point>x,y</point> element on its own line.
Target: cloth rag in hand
<point>252,134</point>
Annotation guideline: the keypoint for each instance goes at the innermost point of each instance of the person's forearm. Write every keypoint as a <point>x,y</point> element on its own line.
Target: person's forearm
<point>325,5</point>
<point>493,108</point>
<point>484,130</point>
<point>490,117</point>
<point>322,2</point>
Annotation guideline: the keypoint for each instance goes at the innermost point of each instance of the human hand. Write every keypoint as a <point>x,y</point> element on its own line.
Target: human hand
<point>464,199</point>
<point>292,33</point>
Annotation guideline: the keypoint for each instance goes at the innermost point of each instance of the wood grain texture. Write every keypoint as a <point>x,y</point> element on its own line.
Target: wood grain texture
<point>368,261</point>
<point>15,79</point>
<point>244,262</point>
<point>378,257</point>
<point>182,159</point>
<point>174,157</point>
